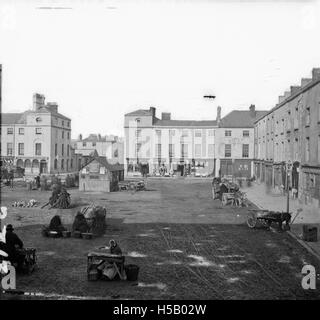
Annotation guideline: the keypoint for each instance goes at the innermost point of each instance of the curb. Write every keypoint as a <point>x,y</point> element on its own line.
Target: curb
<point>301,242</point>
<point>305,245</point>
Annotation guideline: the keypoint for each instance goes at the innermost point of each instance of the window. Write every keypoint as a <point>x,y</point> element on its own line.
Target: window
<point>56,149</point>
<point>9,149</point>
<point>137,120</point>
<point>211,133</point>
<point>171,150</point>
<point>94,144</point>
<point>211,150</point>
<point>227,150</point>
<point>10,131</point>
<point>197,150</point>
<point>158,150</point>
<point>55,164</point>
<point>68,135</point>
<point>227,133</point>
<point>68,124</point>
<point>62,164</point>
<point>71,163</point>
<point>172,132</point>
<point>307,149</point>
<point>138,133</point>
<point>38,130</point>
<point>308,117</point>
<point>38,119</point>
<point>245,133</point>
<point>21,131</point>
<point>197,133</point>
<point>68,150</point>
<point>158,133</point>
<point>185,133</point>
<point>20,149</point>
<point>84,144</point>
<point>184,150</point>
<point>245,151</point>
<point>62,134</point>
<point>38,149</point>
<point>62,149</point>
<point>62,123</point>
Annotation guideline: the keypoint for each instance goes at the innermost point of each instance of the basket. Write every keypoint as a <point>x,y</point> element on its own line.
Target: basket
<point>132,272</point>
<point>93,275</point>
<point>66,234</point>
<point>87,235</point>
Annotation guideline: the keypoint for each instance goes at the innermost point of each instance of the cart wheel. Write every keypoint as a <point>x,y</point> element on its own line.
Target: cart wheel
<point>252,220</point>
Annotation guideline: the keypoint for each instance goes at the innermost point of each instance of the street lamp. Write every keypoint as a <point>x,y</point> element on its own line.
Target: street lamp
<point>289,171</point>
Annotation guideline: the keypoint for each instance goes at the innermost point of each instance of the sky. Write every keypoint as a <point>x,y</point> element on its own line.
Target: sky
<point>100,59</point>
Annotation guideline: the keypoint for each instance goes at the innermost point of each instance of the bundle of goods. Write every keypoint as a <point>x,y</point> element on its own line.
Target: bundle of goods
<point>55,228</point>
<point>25,204</point>
<point>59,200</point>
<point>96,218</point>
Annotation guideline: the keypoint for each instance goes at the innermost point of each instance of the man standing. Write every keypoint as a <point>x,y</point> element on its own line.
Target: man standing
<point>13,244</point>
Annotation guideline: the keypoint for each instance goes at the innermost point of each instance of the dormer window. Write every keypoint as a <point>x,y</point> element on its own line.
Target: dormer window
<point>138,120</point>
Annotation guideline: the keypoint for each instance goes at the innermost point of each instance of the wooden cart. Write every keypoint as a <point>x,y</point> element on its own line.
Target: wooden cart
<point>265,218</point>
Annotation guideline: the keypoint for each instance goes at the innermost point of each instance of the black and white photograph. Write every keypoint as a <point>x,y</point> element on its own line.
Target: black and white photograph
<point>162,150</point>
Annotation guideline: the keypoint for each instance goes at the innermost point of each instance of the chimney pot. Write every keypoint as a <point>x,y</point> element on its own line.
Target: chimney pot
<point>252,109</point>
<point>315,73</point>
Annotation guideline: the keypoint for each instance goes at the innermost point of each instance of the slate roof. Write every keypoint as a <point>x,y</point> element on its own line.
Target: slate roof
<point>185,123</point>
<point>240,119</point>
<point>10,118</point>
<point>140,112</point>
<point>104,162</point>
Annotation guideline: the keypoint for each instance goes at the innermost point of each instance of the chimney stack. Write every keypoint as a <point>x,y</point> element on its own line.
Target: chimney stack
<point>218,119</point>
<point>287,94</point>
<point>315,73</point>
<point>52,106</point>
<point>294,89</point>
<point>252,109</point>
<point>165,116</point>
<point>281,99</point>
<point>38,101</point>
<point>305,81</point>
<point>153,111</point>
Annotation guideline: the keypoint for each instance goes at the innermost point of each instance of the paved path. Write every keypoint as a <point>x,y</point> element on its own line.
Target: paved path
<point>259,195</point>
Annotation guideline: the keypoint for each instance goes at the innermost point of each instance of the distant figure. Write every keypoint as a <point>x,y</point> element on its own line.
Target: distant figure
<point>80,223</point>
<point>11,177</point>
<point>114,248</point>
<point>38,181</point>
<point>56,225</point>
<point>13,244</point>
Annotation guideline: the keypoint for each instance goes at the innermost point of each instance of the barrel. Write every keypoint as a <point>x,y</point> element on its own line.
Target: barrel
<point>132,272</point>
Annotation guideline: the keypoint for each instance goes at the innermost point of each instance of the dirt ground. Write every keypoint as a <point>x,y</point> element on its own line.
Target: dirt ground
<point>186,244</point>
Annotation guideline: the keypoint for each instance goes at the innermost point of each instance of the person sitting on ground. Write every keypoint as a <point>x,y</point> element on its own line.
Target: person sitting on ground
<point>56,225</point>
<point>80,223</point>
<point>114,248</point>
<point>223,189</point>
<point>14,245</point>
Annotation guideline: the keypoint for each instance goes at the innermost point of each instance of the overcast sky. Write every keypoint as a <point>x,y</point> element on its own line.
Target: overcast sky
<point>100,59</point>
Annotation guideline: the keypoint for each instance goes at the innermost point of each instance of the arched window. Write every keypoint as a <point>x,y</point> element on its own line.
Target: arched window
<point>55,164</point>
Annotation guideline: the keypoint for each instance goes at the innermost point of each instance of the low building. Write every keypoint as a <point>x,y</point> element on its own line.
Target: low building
<point>99,175</point>
<point>37,140</point>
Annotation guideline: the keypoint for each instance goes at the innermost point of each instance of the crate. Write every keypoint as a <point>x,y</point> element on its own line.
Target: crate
<point>310,234</point>
<point>93,275</point>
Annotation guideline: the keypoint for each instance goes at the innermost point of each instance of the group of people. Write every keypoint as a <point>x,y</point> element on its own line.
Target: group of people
<point>221,186</point>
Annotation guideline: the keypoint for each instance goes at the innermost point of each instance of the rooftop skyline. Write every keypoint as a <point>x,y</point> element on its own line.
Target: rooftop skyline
<point>99,61</point>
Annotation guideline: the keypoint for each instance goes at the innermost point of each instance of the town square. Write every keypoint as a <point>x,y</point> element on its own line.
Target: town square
<point>160,151</point>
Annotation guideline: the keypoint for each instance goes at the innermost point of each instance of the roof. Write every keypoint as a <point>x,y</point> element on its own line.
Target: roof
<point>240,119</point>
<point>94,138</point>
<point>185,123</point>
<point>10,118</point>
<point>140,112</point>
<point>103,161</point>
